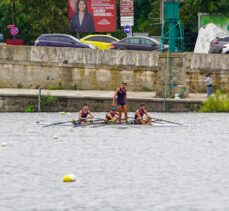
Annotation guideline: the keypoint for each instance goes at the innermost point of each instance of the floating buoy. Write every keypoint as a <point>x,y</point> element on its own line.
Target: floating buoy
<point>69,178</point>
<point>3,144</point>
<point>55,137</point>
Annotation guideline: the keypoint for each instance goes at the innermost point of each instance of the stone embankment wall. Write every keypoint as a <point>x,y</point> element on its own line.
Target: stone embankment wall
<point>217,64</point>
<point>18,103</point>
<point>85,69</point>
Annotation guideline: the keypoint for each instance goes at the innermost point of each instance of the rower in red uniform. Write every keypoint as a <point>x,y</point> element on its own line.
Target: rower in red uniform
<point>120,94</point>
<point>85,114</point>
<point>112,116</point>
<point>139,116</point>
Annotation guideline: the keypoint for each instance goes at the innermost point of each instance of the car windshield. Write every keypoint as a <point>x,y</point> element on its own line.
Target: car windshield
<point>74,38</point>
<point>57,37</point>
<point>155,41</point>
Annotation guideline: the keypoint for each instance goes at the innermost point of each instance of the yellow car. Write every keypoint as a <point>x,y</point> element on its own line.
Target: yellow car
<point>101,41</point>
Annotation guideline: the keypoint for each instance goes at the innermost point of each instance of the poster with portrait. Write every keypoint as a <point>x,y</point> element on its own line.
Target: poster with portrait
<point>92,15</point>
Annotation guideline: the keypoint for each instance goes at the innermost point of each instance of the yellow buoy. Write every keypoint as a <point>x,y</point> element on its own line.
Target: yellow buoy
<point>69,178</point>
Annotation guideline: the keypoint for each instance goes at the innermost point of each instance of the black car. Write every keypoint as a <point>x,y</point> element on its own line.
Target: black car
<point>60,40</point>
<point>138,43</point>
<point>217,44</point>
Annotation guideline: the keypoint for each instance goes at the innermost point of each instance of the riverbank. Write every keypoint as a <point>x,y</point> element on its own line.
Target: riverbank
<point>86,69</point>
<point>17,100</point>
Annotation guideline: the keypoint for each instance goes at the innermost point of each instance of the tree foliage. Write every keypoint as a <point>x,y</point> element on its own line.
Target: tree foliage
<point>50,16</point>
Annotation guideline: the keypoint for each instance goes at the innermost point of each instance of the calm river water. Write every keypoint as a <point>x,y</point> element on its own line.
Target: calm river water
<point>117,169</point>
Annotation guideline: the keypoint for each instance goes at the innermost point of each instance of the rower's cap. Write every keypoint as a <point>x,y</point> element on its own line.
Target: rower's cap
<point>113,108</point>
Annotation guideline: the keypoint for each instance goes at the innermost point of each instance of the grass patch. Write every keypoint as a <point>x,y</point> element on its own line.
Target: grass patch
<point>145,89</point>
<point>54,87</point>
<point>19,86</point>
<point>48,101</point>
<point>30,108</point>
<point>217,103</point>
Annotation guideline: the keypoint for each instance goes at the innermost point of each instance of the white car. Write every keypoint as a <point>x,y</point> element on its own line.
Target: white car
<point>225,48</point>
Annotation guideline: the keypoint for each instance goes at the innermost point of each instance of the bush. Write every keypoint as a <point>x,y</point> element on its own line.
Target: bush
<point>217,103</point>
<point>48,101</point>
<point>30,108</point>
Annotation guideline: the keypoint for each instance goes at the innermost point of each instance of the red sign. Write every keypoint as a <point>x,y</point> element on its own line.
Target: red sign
<point>127,12</point>
<point>92,15</point>
<point>14,31</point>
<point>14,42</point>
<point>127,8</point>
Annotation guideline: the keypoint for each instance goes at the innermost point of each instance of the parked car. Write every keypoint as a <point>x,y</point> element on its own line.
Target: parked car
<point>101,41</point>
<point>61,40</point>
<point>138,43</point>
<point>225,48</point>
<point>217,44</point>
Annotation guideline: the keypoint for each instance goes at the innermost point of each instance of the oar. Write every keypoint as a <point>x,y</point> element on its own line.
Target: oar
<point>57,123</point>
<point>162,120</point>
<point>78,124</point>
<point>91,119</point>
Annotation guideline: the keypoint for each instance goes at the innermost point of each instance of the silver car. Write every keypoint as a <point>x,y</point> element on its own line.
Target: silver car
<point>217,44</point>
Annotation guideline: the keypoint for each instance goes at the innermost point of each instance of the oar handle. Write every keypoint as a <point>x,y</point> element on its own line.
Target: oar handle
<point>176,123</point>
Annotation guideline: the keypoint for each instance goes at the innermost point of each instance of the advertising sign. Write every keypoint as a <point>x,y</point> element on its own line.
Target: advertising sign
<point>92,15</point>
<point>221,22</point>
<point>127,12</point>
<point>210,27</point>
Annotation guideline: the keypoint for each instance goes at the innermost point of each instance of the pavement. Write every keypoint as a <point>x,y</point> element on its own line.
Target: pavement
<point>92,94</point>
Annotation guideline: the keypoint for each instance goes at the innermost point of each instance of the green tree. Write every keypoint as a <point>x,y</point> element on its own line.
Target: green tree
<point>5,16</point>
<point>42,16</point>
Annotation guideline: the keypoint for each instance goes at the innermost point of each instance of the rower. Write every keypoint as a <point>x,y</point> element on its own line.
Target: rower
<point>120,94</point>
<point>139,116</point>
<point>112,116</point>
<point>85,114</point>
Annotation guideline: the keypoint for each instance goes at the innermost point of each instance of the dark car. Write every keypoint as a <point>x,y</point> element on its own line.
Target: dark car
<point>60,40</point>
<point>138,43</point>
<point>217,44</point>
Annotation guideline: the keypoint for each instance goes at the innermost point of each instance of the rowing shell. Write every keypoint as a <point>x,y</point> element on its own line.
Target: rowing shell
<point>129,124</point>
<point>125,125</point>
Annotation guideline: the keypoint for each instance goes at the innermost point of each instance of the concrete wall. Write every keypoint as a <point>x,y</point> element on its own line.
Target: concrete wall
<point>10,103</point>
<point>217,64</point>
<point>65,68</point>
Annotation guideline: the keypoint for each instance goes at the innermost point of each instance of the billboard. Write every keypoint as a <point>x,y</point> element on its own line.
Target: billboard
<point>220,21</point>
<point>127,12</point>
<point>92,15</point>
<point>210,27</point>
